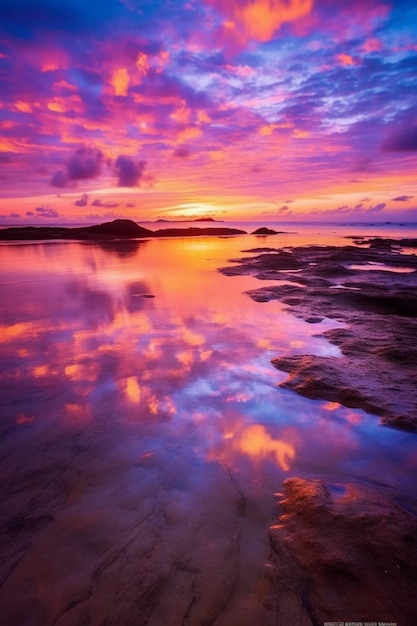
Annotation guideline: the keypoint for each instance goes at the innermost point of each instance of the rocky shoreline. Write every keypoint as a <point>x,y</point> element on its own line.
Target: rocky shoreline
<point>345,551</point>
<point>372,291</point>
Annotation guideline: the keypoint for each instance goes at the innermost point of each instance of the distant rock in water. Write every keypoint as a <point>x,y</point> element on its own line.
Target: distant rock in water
<point>265,231</point>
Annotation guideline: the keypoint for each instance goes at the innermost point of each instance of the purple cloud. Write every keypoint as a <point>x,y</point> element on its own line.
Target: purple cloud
<point>83,201</point>
<point>402,141</point>
<point>362,164</point>
<point>377,208</point>
<point>106,205</point>
<point>46,212</point>
<point>59,179</point>
<point>85,164</point>
<point>402,198</point>
<point>128,171</point>
<point>181,152</point>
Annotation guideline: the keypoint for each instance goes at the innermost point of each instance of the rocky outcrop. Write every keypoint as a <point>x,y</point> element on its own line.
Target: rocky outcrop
<point>371,290</point>
<point>267,261</point>
<point>343,552</point>
<point>377,373</point>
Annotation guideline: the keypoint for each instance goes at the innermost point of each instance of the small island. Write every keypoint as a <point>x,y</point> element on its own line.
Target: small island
<point>266,231</point>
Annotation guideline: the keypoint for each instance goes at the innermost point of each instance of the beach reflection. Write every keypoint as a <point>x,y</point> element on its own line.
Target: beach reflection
<point>132,403</point>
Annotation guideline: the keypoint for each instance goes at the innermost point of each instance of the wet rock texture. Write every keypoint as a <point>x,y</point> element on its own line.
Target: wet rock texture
<point>342,553</point>
<point>378,304</point>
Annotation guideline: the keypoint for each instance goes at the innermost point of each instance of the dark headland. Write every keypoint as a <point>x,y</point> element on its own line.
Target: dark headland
<point>117,229</point>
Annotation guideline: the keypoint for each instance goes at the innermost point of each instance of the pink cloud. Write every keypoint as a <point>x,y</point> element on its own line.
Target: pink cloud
<point>372,45</point>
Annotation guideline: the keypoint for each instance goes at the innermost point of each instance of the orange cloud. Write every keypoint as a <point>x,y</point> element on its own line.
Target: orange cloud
<point>256,442</point>
<point>217,155</point>
<point>188,133</point>
<point>203,117</point>
<point>63,84</point>
<point>132,389</point>
<point>23,107</point>
<point>70,103</point>
<point>345,59</point>
<point>301,134</point>
<point>181,115</point>
<point>259,19</point>
<point>16,146</point>
<point>267,129</point>
<point>142,63</point>
<point>120,81</point>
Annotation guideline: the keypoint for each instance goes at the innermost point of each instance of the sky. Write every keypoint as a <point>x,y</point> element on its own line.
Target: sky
<point>264,110</point>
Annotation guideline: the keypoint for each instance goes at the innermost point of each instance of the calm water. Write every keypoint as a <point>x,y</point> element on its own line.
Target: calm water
<point>117,405</point>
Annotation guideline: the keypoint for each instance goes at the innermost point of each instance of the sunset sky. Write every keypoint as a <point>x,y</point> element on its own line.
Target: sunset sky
<point>234,109</point>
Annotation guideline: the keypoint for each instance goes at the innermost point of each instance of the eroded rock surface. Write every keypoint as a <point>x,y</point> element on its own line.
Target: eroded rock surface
<point>374,292</point>
<point>343,552</point>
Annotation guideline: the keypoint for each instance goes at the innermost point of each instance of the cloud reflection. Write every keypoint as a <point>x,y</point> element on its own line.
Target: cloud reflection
<point>256,442</point>
<point>193,362</point>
